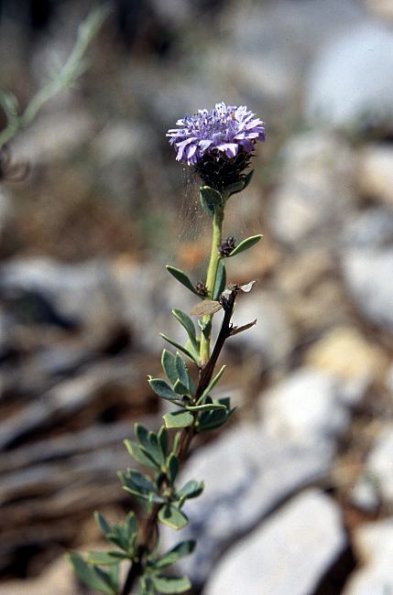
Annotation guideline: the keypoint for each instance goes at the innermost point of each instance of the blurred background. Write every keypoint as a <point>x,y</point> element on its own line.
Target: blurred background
<point>304,502</point>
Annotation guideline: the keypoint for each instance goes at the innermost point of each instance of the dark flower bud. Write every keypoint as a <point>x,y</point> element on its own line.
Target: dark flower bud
<point>201,289</point>
<point>227,246</point>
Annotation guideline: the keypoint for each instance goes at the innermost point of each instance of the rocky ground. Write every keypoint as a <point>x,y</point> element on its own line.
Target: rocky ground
<point>303,505</point>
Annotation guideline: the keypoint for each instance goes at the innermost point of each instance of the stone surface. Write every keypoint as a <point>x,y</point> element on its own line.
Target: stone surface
<point>370,229</point>
<point>350,78</point>
<point>368,276</point>
<point>375,169</point>
<point>315,192</point>
<point>261,472</point>
<point>308,406</point>
<point>377,475</point>
<point>59,578</point>
<point>287,554</point>
<point>374,545</point>
<point>272,337</point>
<point>345,353</point>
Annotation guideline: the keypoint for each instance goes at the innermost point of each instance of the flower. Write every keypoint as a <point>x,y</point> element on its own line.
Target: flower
<point>224,129</point>
<point>218,143</point>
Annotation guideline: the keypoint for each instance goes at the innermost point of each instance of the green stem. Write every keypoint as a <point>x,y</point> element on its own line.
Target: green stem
<point>214,261</point>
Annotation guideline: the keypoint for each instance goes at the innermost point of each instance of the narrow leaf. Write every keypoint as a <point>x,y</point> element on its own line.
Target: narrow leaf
<point>246,244</point>
<point>221,281</point>
<point>178,419</point>
<point>187,324</point>
<point>163,440</point>
<point>205,407</point>
<point>106,558</point>
<point>102,523</point>
<point>173,467</point>
<point>182,371</point>
<point>213,382</point>
<point>182,549</point>
<point>239,329</point>
<point>192,356</point>
<point>181,389</point>
<point>90,575</point>
<point>181,276</point>
<point>142,434</point>
<point>168,365</point>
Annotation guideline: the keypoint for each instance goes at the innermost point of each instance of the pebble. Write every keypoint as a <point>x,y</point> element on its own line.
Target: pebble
<point>287,554</point>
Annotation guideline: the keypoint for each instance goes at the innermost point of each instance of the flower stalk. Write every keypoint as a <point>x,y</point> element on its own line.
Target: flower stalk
<point>219,144</point>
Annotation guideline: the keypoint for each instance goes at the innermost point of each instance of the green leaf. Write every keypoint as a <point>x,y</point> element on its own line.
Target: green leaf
<point>213,382</point>
<point>192,489</point>
<point>188,325</point>
<point>162,389</point>
<point>181,389</point>
<point>182,372</point>
<point>181,276</point>
<point>178,419</point>
<point>138,484</point>
<point>170,584</point>
<point>102,523</point>
<point>215,406</point>
<point>212,420</point>
<point>142,434</point>
<point>172,516</point>
<point>141,455</point>
<point>190,354</point>
<point>221,281</point>
<point>182,549</point>
<point>173,467</point>
<point>246,244</point>
<point>163,440</point>
<point>247,178</point>
<point>106,558</point>
<point>168,365</point>
<point>91,576</point>
<point>211,199</point>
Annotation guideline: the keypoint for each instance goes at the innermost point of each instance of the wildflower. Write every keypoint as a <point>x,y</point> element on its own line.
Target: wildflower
<point>219,143</point>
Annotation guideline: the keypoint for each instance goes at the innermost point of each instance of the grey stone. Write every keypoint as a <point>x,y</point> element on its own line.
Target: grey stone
<point>374,545</point>
<point>370,229</point>
<point>272,336</point>
<point>375,172</point>
<point>316,191</point>
<point>351,77</point>
<point>377,472</point>
<point>287,555</point>
<point>308,406</point>
<point>246,475</point>
<point>368,276</point>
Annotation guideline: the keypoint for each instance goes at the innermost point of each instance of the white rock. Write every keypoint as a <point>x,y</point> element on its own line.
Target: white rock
<point>286,555</point>
<point>316,190</point>
<point>246,474</point>
<point>368,276</point>
<point>374,544</point>
<point>378,468</point>
<point>308,406</point>
<point>351,77</point>
<point>376,172</point>
<point>372,228</point>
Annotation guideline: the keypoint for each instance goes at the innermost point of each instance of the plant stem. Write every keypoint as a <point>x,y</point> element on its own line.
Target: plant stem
<point>214,261</point>
<point>149,527</point>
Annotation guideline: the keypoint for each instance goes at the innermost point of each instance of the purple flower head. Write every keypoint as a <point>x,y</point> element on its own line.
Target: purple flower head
<point>224,131</point>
